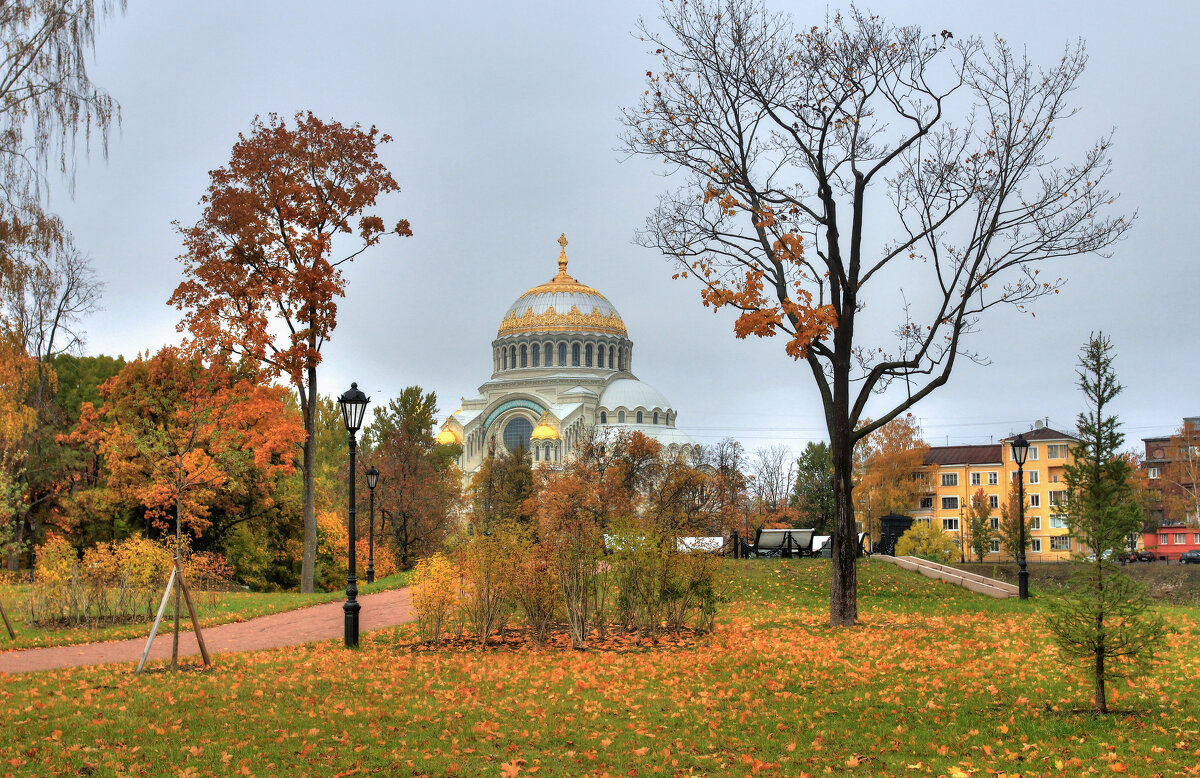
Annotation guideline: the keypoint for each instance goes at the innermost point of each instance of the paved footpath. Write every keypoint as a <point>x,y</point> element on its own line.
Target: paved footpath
<point>291,628</point>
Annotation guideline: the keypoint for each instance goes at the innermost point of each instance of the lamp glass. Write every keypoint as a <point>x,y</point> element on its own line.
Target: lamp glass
<point>1020,449</point>
<point>354,407</point>
<point>372,477</point>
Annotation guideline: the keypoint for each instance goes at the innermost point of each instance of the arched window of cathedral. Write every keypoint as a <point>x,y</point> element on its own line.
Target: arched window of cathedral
<point>603,417</point>
<point>574,355</point>
<point>524,356</point>
<point>504,357</point>
<point>537,353</point>
<point>547,456</point>
<point>548,350</point>
<point>537,453</point>
<point>620,417</point>
<point>512,357</point>
<point>639,417</point>
<point>610,357</point>
<point>588,355</point>
<point>517,432</point>
<point>562,354</point>
<point>656,417</point>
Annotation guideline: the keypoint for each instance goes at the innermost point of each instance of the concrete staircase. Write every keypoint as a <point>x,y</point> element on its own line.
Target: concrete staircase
<point>976,583</point>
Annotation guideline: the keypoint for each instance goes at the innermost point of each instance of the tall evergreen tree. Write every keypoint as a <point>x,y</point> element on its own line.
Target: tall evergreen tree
<point>1104,620</point>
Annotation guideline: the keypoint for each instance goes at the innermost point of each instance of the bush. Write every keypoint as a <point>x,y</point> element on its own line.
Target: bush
<point>928,541</point>
<point>113,582</point>
<point>435,593</point>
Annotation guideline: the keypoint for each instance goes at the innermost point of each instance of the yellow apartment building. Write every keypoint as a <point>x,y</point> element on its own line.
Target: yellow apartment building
<point>954,473</point>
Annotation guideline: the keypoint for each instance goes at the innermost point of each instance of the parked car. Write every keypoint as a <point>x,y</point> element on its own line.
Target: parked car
<point>1190,557</point>
<point>1137,556</point>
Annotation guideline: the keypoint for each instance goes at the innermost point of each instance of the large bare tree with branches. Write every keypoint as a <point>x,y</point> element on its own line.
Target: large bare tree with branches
<point>852,162</point>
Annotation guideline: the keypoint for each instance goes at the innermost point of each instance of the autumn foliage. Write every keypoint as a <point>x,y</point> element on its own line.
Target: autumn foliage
<point>263,265</point>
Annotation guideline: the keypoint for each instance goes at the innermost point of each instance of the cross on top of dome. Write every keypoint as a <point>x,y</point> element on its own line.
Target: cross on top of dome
<point>562,258</point>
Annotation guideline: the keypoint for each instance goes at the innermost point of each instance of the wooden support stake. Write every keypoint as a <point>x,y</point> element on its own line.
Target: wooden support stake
<point>187,596</point>
<point>11,635</point>
<point>154,630</point>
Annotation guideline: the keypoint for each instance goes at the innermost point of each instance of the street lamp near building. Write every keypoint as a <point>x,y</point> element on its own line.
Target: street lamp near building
<point>354,406</point>
<point>372,480</point>
<point>1020,450</point>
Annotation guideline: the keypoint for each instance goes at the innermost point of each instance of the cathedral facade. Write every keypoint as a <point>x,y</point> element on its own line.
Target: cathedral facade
<point>562,364</point>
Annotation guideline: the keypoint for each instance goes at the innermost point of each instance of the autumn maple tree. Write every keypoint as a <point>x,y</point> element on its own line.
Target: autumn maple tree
<point>263,264</point>
<point>824,170</point>
<point>888,464</point>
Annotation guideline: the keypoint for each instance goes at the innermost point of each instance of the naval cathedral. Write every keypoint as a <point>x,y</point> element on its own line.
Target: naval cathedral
<point>562,364</point>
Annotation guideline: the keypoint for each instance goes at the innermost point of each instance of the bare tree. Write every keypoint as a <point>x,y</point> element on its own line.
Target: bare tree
<point>824,164</point>
<point>774,471</point>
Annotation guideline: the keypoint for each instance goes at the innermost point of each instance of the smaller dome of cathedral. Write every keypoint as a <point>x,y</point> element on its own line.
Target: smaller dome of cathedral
<point>632,393</point>
<point>543,431</point>
<point>447,437</point>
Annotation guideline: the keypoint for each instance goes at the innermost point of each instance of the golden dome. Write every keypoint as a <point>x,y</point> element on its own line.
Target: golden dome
<point>562,305</point>
<point>543,431</point>
<point>447,437</point>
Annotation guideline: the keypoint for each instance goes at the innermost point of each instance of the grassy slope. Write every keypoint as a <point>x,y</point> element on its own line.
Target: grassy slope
<point>214,608</point>
<point>936,681</point>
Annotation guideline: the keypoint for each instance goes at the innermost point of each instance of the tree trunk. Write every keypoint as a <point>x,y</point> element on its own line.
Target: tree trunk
<point>843,592</point>
<point>309,409</point>
<point>1101,700</point>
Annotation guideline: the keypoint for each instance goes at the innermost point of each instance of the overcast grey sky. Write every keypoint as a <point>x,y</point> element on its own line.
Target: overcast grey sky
<point>505,119</point>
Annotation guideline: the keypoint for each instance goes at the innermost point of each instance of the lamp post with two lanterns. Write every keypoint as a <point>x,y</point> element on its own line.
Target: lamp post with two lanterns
<point>354,406</point>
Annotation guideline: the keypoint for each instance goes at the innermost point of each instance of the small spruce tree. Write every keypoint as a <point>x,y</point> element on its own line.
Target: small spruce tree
<point>1105,619</point>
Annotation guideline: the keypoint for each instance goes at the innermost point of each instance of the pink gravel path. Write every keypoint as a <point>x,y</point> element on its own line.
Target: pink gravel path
<point>291,628</point>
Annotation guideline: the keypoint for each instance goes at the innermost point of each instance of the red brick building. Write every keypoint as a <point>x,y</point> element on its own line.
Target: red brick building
<point>1171,540</point>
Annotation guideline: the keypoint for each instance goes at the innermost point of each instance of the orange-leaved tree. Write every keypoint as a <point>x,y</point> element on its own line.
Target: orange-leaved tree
<point>856,162</point>
<point>173,429</point>
<point>888,473</point>
<point>262,265</point>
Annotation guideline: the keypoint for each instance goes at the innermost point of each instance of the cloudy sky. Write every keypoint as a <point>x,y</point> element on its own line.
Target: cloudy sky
<point>505,120</point>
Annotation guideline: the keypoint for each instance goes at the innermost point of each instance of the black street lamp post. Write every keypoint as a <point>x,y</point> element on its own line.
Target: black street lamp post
<point>1020,450</point>
<point>372,480</point>
<point>354,407</point>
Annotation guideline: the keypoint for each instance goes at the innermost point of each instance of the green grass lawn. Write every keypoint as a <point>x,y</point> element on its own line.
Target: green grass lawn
<point>935,681</point>
<point>213,607</point>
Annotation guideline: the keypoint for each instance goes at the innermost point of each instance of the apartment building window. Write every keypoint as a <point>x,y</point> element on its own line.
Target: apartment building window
<point>1162,540</point>
<point>949,479</point>
<point>1035,522</point>
<point>995,546</point>
<point>1054,478</point>
<point>976,479</point>
<point>995,520</point>
<point>1033,455</point>
<point>1155,472</point>
<point>950,525</point>
<point>1060,543</point>
<point>993,501</point>
<point>1056,451</point>
<point>926,503</point>
<point>949,503</point>
<point>1035,501</point>
<point>1180,538</point>
<point>1058,521</point>
<point>1032,476</point>
<point>1058,497</point>
<point>1035,545</point>
<point>993,478</point>
<point>1196,538</point>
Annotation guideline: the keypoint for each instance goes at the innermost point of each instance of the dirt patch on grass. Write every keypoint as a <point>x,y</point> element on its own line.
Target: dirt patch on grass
<point>519,639</point>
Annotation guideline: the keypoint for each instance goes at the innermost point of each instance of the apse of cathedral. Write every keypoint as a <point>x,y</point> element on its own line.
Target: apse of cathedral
<point>562,364</point>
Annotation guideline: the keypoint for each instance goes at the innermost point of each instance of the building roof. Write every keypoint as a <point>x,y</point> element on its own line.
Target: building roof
<point>963,455</point>
<point>1043,433</point>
